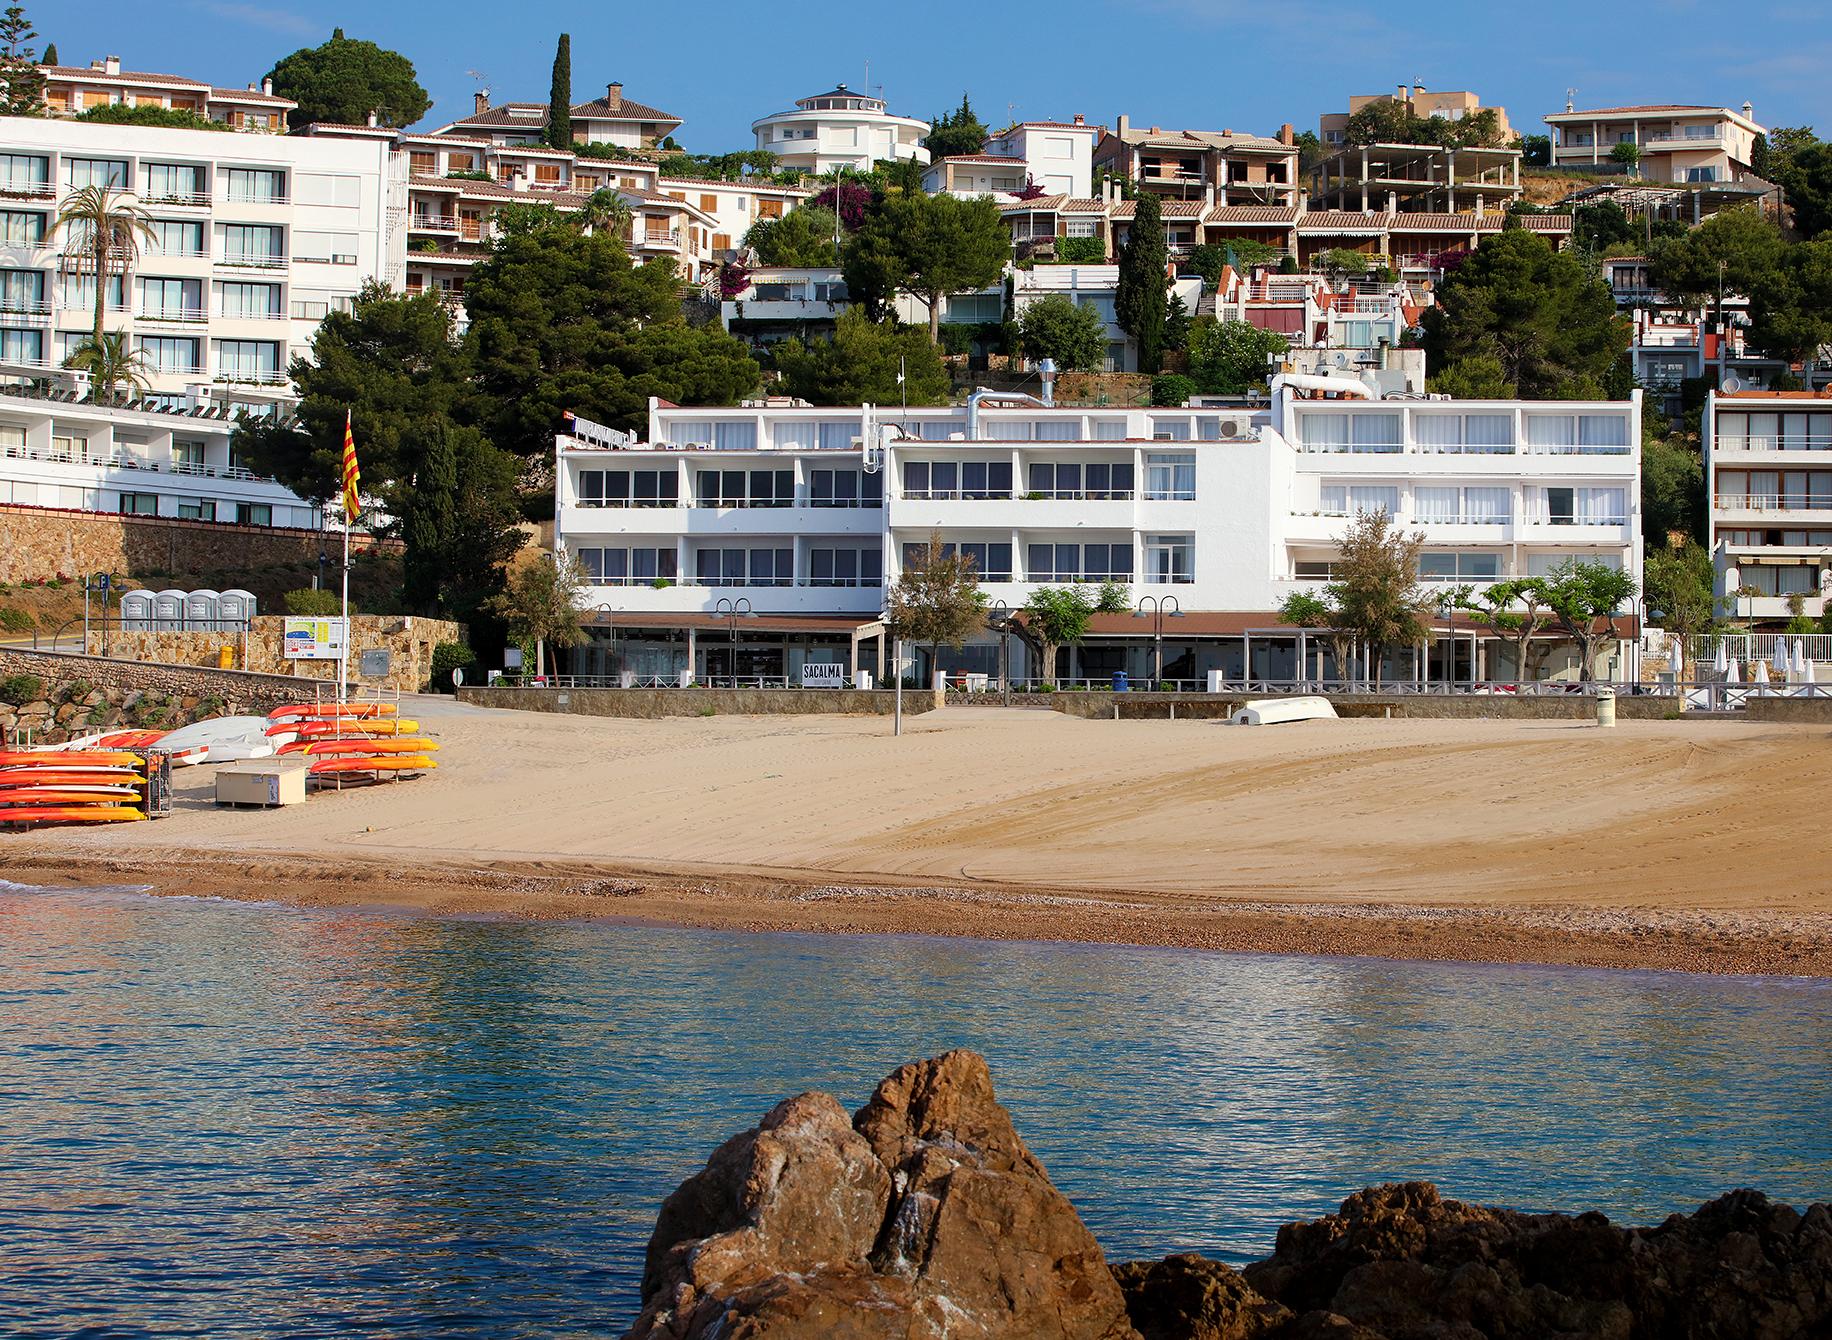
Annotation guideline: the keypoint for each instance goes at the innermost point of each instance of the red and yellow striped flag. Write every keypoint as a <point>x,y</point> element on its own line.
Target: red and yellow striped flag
<point>351,475</point>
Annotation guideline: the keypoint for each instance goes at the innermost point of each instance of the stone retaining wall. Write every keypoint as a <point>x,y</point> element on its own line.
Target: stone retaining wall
<point>649,703</point>
<point>1806,711</point>
<point>1470,707</point>
<point>80,695</point>
<point>410,642</point>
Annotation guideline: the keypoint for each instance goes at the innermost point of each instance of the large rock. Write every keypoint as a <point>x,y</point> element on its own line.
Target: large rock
<point>925,1217</point>
<point>1189,1297</point>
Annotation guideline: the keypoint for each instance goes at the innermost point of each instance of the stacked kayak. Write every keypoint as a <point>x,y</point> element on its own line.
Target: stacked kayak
<point>351,741</point>
<point>66,786</point>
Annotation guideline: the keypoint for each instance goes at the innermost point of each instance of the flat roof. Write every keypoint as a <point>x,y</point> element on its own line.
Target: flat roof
<point>763,623</point>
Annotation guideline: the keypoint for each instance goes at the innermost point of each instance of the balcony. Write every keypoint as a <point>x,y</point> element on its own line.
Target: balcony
<point>251,377</point>
<point>1768,444</point>
<point>27,190</point>
<point>234,197</point>
<point>434,223</point>
<point>249,262</point>
<point>173,315</point>
<point>660,241</point>
<point>178,199</point>
<point>1729,508</point>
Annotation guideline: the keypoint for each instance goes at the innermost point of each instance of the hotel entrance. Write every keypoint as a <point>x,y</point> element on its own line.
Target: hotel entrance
<point>744,663</point>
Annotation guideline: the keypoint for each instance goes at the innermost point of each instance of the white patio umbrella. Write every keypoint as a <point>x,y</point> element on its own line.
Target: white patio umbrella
<point>1782,666</point>
<point>1802,666</point>
<point>1758,672</point>
<point>1720,661</point>
<point>1730,672</point>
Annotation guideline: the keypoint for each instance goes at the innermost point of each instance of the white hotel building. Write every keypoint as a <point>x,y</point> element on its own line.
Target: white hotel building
<point>1768,482</point>
<point>750,540</point>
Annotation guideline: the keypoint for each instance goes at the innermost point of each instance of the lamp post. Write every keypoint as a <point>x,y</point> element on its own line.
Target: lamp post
<point>998,619</point>
<point>1636,606</point>
<point>324,561</point>
<point>733,610</point>
<point>607,616</point>
<point>1160,607</point>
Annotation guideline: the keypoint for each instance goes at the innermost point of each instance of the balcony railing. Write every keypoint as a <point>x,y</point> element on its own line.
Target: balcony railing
<point>190,315</point>
<point>434,223</point>
<point>231,196</point>
<point>253,377</point>
<point>27,306</point>
<point>254,262</point>
<point>27,190</point>
<point>176,253</point>
<point>1545,518</point>
<point>1774,502</point>
<point>671,238</point>
<point>1776,442</point>
<point>122,461</point>
<point>185,198</point>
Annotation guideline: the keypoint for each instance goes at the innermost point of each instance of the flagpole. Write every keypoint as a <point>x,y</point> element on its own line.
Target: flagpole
<point>343,654</point>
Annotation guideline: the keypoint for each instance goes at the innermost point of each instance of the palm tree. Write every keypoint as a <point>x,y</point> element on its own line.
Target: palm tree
<point>604,211</point>
<point>110,363</point>
<point>108,226</point>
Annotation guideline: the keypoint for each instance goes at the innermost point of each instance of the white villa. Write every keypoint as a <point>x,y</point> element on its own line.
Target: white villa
<point>840,128</point>
<point>1768,488</point>
<point>749,540</point>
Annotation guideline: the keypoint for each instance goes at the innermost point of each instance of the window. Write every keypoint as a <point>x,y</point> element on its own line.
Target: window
<point>22,346</point>
<point>831,290</point>
<point>251,300</point>
<point>991,561</point>
<point>1057,430</point>
<point>172,299</point>
<point>1170,430</point>
<point>253,244</point>
<point>1453,567</point>
<point>178,183</point>
<point>22,290</point>
<point>1109,430</point>
<point>1544,565</point>
<point>252,360</point>
<point>629,488</point>
<point>167,353</point>
<point>188,456</point>
<point>744,567</point>
<point>1170,476</point>
<point>109,172</point>
<point>139,504</point>
<point>744,488</point>
<point>1579,434</point>
<point>1170,558</point>
<point>176,237</point>
<point>79,291</point>
<point>255,185</point>
<point>1449,505</point>
<point>25,174</point>
<point>627,567</point>
<point>978,307</point>
<point>328,248</point>
<point>254,514</point>
<point>1055,479</point>
<point>21,227</point>
<point>845,567</point>
<point>202,509</point>
<point>1354,499</point>
<point>1774,579</point>
<point>1464,432</point>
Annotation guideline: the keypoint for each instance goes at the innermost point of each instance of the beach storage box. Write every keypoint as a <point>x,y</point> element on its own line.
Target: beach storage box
<point>264,782</point>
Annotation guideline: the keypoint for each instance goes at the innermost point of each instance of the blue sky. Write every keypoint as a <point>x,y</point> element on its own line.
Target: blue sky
<point>1208,64</point>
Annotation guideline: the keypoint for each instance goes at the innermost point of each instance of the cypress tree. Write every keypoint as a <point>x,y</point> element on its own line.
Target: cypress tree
<point>51,56</point>
<point>559,98</point>
<point>431,519</point>
<point>1140,305</point>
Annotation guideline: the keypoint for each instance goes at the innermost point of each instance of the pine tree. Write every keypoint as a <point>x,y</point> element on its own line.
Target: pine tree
<point>22,80</point>
<point>431,519</point>
<point>50,56</point>
<point>559,98</point>
<point>1140,305</point>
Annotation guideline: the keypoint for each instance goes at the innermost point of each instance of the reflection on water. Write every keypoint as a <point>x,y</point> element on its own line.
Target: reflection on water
<point>233,1119</point>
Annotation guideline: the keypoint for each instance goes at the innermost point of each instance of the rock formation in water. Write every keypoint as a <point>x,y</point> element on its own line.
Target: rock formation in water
<point>924,1216</point>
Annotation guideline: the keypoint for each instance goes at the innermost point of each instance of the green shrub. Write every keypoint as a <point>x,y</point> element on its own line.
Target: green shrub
<point>318,604</point>
<point>98,716</point>
<point>75,689</point>
<point>14,620</point>
<point>1081,250</point>
<point>1288,265</point>
<point>447,657</point>
<point>17,689</point>
<point>1172,388</point>
<point>957,337</point>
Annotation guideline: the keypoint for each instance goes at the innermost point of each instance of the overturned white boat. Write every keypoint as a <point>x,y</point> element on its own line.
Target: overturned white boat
<point>219,740</point>
<point>1272,711</point>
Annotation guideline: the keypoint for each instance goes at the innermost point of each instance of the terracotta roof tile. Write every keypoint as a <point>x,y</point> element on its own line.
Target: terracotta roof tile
<point>626,110</point>
<point>1252,214</point>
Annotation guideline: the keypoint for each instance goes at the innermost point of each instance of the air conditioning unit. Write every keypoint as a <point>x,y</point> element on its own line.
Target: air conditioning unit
<point>1233,429</point>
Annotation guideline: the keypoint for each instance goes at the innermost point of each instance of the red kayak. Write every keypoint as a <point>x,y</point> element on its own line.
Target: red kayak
<point>331,710</point>
<point>12,778</point>
<point>398,763</point>
<point>69,758</point>
<point>71,814</point>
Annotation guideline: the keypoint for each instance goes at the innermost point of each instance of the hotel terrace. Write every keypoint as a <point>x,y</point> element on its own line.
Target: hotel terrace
<point>747,541</point>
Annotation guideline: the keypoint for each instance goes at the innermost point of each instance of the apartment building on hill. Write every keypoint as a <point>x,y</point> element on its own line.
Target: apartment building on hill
<point>1216,167</point>
<point>1678,142</point>
<point>1768,488</point>
<point>841,128</point>
<point>612,120</point>
<point>71,90</point>
<point>1332,127</point>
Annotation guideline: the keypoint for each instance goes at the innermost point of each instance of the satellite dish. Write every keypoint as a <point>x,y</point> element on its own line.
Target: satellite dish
<point>1733,383</point>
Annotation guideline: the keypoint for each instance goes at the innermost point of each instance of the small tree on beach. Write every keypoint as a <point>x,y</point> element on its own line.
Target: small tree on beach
<point>1307,609</point>
<point>1582,596</point>
<point>542,603</point>
<point>937,600</point>
<point>1375,587</point>
<point>1680,590</point>
<point>1515,611</point>
<point>1058,616</point>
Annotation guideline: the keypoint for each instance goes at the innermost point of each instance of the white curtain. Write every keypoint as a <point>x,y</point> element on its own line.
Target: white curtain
<point>1324,432</point>
<point>1439,432</point>
<point>1601,507</point>
<point>1374,498</point>
<point>1376,432</point>
<point>1602,430</point>
<point>1487,506</point>
<point>796,434</point>
<point>1488,432</point>
<point>1551,432</point>
<point>1434,505</point>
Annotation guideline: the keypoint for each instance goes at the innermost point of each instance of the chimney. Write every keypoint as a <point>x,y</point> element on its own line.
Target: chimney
<point>1122,125</point>
<point>1481,208</point>
<point>480,102</point>
<point>1287,136</point>
<point>373,120</point>
<point>613,95</point>
<point>1405,95</point>
<point>111,65</point>
<point>1392,202</point>
<point>1748,110</point>
<point>1418,90</point>
<point>267,87</point>
<point>519,182</point>
<point>1157,130</point>
<point>1078,120</point>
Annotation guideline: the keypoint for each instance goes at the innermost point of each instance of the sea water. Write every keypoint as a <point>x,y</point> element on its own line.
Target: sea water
<point>223,1118</point>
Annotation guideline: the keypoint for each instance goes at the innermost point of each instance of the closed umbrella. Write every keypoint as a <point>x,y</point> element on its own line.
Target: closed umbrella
<point>1730,672</point>
<point>1781,660</point>
<point>1803,668</point>
<point>1720,662</point>
<point>1758,672</point>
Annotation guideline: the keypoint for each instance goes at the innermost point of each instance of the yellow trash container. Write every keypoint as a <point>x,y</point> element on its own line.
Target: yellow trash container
<point>225,658</point>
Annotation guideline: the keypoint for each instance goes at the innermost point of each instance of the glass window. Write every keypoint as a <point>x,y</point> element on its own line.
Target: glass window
<point>203,509</point>
<point>27,173</point>
<point>22,346</point>
<point>1375,432</point>
<point>1170,430</point>
<point>79,291</point>
<point>22,290</point>
<point>1057,430</point>
<point>252,243</point>
<point>21,227</point>
<point>254,514</point>
<point>1109,430</point>
<point>1604,433</point>
<point>740,436</point>
<point>1170,476</point>
<point>1434,505</point>
<point>837,436</point>
<point>171,182</point>
<point>108,172</point>
<point>251,300</point>
<point>259,359</point>
<point>256,185</point>
<point>1556,433</point>
<point>1487,506</point>
<point>140,504</point>
<point>1170,558</point>
<point>172,299</point>
<point>1323,432</point>
<point>176,237</point>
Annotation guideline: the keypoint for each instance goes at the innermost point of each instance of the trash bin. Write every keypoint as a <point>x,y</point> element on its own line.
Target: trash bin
<point>1606,707</point>
<point>1120,684</point>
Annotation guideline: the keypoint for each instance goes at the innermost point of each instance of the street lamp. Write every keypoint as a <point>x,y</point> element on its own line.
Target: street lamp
<point>1160,607</point>
<point>733,610</point>
<point>998,619</point>
<point>324,561</point>
<point>606,617</point>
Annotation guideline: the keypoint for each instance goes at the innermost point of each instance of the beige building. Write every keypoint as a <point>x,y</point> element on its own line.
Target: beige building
<point>1452,106</point>
<point>71,90</point>
<point>1678,142</point>
<point>611,120</point>
<point>1217,167</point>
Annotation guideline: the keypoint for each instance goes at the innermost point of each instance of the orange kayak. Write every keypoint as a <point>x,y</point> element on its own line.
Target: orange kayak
<point>350,729</point>
<point>71,814</point>
<point>397,763</point>
<point>116,758</point>
<point>327,710</point>
<point>72,795</point>
<point>319,748</point>
<point>131,739</point>
<point>16,777</point>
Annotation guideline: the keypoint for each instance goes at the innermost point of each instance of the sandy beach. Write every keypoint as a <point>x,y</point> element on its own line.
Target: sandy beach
<point>1692,845</point>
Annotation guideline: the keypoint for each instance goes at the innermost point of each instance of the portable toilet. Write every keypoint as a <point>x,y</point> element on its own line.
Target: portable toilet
<point>200,610</point>
<point>137,611</point>
<point>168,611</point>
<point>235,610</point>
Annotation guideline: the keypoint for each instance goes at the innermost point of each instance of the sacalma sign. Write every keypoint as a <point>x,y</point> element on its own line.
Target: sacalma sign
<point>823,675</point>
